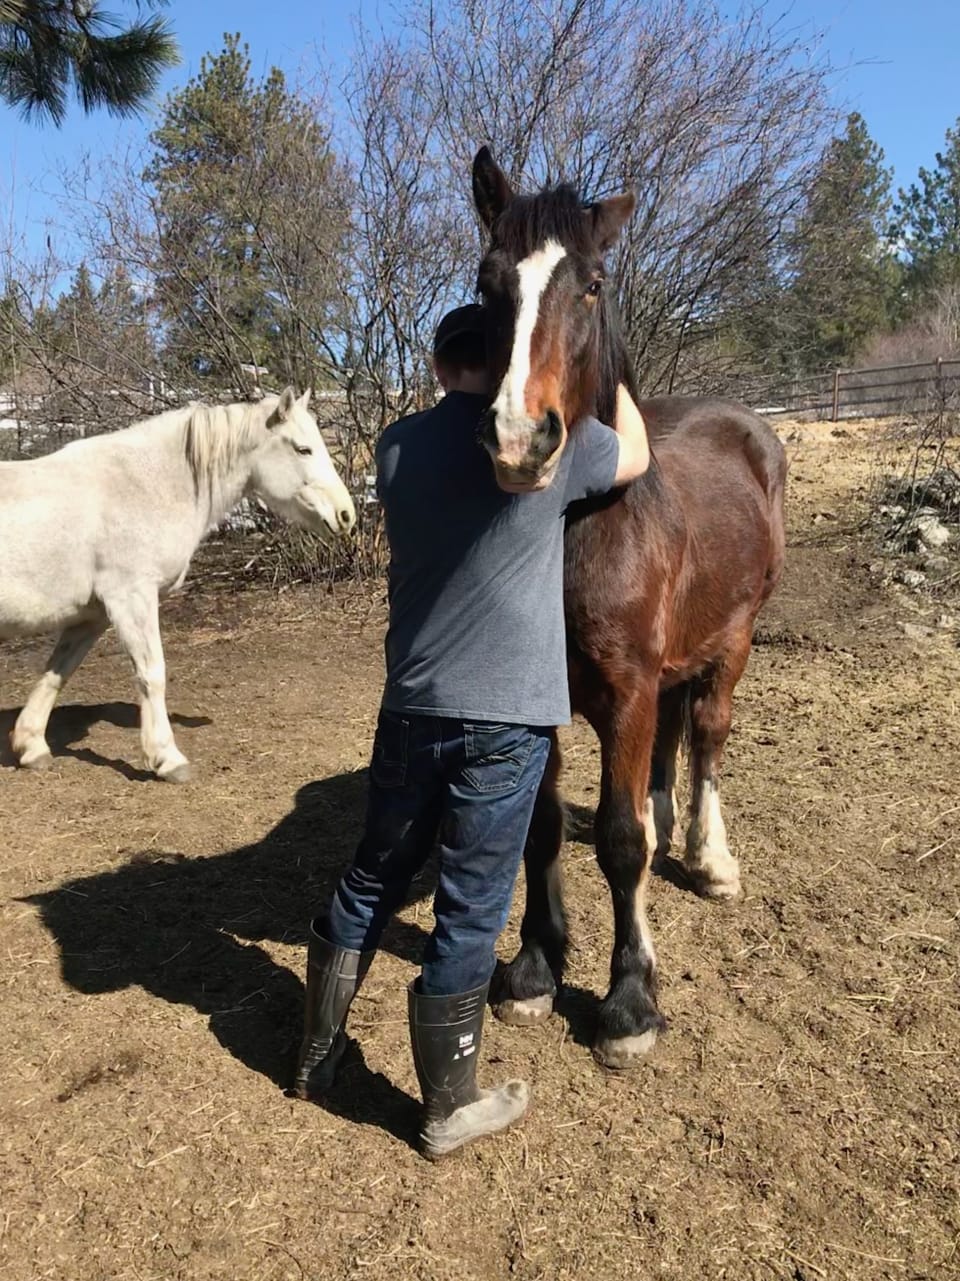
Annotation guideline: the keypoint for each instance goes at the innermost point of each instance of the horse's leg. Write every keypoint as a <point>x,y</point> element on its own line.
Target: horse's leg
<point>136,619</point>
<point>663,767</point>
<point>712,868</point>
<point>528,985</point>
<point>629,1019</point>
<point>28,737</point>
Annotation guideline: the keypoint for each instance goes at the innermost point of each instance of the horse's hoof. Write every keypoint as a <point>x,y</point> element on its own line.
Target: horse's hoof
<point>37,763</point>
<point>535,1009</point>
<point>179,774</point>
<point>626,1051</point>
<point>715,887</point>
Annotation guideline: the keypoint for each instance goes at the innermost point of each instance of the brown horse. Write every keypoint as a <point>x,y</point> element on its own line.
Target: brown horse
<point>663,582</point>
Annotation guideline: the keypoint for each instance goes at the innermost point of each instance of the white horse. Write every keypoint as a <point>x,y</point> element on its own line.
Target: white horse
<point>99,531</point>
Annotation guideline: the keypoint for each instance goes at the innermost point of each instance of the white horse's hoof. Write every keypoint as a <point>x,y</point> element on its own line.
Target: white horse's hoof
<point>41,762</point>
<point>179,774</point>
<point>626,1051</point>
<point>711,885</point>
<point>537,1009</point>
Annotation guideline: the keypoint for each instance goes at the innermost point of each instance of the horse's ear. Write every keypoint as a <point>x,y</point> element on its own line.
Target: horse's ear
<point>609,218</point>
<point>288,398</point>
<point>305,398</point>
<point>491,191</point>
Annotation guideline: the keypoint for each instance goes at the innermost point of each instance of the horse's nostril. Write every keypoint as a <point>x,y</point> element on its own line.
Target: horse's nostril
<point>553,428</point>
<point>488,430</point>
<point>346,518</point>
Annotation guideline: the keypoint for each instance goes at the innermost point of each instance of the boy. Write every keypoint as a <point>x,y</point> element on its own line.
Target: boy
<point>476,679</point>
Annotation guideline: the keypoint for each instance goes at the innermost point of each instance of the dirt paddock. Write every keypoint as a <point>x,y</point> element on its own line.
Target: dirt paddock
<point>798,1121</point>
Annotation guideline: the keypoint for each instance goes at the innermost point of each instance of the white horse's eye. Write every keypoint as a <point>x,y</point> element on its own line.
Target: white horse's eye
<point>303,449</point>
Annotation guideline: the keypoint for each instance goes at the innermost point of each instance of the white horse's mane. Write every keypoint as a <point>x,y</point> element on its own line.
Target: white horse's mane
<point>215,436</point>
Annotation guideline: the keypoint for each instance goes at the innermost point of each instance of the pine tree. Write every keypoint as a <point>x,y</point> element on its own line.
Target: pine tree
<point>927,222</point>
<point>844,277</point>
<point>128,346</point>
<point>75,322</point>
<point>48,45</point>
<point>251,218</point>
<point>9,333</point>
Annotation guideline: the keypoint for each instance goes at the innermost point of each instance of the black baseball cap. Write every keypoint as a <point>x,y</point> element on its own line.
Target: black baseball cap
<point>470,319</point>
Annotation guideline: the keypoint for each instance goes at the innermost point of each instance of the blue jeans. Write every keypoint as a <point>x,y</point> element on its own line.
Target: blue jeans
<point>470,783</point>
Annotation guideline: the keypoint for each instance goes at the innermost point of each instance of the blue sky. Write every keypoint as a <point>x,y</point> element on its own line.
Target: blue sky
<point>897,66</point>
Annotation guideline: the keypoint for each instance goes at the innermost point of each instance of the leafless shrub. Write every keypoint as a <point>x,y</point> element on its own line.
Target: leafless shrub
<point>714,122</point>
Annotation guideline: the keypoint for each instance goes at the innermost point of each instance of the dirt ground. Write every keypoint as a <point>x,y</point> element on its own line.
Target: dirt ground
<point>798,1121</point>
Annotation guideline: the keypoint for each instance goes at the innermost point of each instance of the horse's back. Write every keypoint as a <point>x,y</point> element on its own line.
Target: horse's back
<point>707,428</point>
<point>93,513</point>
<point>727,469</point>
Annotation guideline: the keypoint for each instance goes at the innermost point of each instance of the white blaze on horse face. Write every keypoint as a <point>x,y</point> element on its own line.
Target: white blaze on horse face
<point>514,425</point>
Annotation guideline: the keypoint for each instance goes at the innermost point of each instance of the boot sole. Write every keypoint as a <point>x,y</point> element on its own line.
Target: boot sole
<point>435,1157</point>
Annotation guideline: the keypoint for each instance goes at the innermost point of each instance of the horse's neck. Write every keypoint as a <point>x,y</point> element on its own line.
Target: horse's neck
<point>225,490</point>
<point>593,521</point>
<point>217,494</point>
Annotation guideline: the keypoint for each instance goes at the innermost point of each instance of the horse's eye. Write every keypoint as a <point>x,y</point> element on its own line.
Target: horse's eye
<point>595,288</point>
<point>303,449</point>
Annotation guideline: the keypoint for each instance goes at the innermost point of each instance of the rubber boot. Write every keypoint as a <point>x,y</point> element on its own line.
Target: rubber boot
<point>445,1034</point>
<point>333,976</point>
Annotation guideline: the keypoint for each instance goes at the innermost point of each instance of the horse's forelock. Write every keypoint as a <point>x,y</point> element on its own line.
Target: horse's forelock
<point>556,213</point>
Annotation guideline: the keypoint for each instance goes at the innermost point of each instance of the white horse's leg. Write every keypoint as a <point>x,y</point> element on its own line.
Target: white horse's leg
<point>28,737</point>
<point>136,618</point>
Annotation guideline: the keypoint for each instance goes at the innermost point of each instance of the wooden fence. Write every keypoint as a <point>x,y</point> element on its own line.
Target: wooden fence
<point>850,393</point>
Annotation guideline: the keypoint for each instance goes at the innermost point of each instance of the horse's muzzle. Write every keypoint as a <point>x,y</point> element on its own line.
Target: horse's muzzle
<point>325,513</point>
<point>525,455</point>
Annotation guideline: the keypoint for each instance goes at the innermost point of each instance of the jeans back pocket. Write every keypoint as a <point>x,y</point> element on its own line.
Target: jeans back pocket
<point>495,756</point>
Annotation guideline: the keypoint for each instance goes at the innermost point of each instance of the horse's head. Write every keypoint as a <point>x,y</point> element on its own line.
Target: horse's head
<point>542,280</point>
<point>292,471</point>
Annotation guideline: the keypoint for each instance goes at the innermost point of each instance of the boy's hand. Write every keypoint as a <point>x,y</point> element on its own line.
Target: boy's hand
<point>632,431</point>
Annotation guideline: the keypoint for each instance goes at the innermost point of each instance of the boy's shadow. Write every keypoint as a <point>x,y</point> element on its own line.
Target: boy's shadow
<point>187,930</point>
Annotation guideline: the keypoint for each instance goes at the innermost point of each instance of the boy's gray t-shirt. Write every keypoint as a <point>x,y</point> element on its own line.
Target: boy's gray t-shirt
<point>476,575</point>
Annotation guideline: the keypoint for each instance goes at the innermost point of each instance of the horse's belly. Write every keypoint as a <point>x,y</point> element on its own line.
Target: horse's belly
<point>31,614</point>
<point>44,593</point>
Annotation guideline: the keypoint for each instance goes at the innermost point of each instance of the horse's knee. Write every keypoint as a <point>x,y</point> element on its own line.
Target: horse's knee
<point>625,844</point>
<point>152,681</point>
<point>711,726</point>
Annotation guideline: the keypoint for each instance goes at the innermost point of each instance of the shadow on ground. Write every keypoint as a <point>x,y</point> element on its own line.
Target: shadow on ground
<point>71,723</point>
<point>187,929</point>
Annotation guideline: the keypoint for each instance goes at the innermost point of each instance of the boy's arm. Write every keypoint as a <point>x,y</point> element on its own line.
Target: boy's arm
<point>606,458</point>
<point>634,458</point>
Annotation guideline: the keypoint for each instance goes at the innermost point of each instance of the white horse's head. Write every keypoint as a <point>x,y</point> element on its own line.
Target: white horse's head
<point>292,472</point>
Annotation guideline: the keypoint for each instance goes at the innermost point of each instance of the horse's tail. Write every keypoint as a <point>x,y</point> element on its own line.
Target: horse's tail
<point>776,488</point>
<point>768,462</point>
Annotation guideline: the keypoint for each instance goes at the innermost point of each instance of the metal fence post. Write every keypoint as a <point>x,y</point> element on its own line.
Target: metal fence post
<point>835,414</point>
